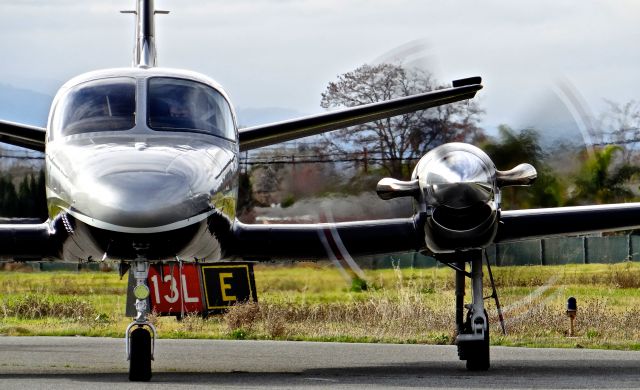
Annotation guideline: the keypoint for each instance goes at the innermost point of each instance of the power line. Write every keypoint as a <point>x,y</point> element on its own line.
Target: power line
<point>17,157</point>
<point>320,160</point>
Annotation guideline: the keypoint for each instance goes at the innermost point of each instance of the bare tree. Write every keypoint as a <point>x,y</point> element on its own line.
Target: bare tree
<point>396,142</point>
<point>620,125</point>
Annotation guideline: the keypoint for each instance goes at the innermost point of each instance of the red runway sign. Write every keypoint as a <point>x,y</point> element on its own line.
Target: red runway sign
<point>173,292</point>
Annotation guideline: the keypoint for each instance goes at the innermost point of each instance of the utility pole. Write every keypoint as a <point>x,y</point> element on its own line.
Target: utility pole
<point>366,160</point>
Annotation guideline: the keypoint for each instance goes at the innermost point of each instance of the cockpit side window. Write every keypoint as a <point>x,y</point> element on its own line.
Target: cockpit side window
<point>186,105</point>
<point>98,105</point>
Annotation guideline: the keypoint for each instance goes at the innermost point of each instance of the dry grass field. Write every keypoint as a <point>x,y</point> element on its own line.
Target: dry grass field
<point>311,301</point>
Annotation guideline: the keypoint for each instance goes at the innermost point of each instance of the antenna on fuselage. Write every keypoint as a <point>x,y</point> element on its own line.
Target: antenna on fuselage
<point>144,54</point>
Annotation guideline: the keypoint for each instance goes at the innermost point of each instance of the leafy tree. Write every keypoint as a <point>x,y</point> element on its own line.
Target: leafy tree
<point>29,201</point>
<point>41,196</point>
<point>291,172</point>
<point>601,180</point>
<point>513,148</point>
<point>8,198</point>
<point>245,194</point>
<point>397,141</point>
<point>25,201</point>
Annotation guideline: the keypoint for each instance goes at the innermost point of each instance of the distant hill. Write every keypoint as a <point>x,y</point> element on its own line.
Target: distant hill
<point>28,107</point>
<point>24,105</point>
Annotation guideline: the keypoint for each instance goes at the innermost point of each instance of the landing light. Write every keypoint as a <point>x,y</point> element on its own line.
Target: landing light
<point>141,291</point>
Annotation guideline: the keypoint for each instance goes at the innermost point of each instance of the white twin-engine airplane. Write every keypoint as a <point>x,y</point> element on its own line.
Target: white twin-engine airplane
<point>142,166</point>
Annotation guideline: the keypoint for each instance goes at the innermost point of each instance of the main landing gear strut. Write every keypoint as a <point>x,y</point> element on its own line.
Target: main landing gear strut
<point>140,335</point>
<point>473,328</point>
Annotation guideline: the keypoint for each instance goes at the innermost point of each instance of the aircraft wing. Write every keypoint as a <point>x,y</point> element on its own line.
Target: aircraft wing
<point>25,242</point>
<point>265,135</point>
<point>30,137</point>
<point>516,225</point>
<point>324,240</point>
<point>321,241</point>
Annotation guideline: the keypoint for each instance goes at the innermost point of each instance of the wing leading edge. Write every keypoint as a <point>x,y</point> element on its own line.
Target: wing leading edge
<point>265,135</point>
<point>26,242</point>
<point>30,137</point>
<point>317,241</point>
<point>517,225</point>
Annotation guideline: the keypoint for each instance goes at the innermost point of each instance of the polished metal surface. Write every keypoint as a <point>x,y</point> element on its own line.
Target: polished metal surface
<point>521,175</point>
<point>113,182</point>
<point>145,54</point>
<point>460,195</point>
<point>456,175</point>
<point>389,188</point>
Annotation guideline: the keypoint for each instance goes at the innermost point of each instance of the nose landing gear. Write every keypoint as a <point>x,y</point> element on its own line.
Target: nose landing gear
<point>473,331</point>
<point>140,335</point>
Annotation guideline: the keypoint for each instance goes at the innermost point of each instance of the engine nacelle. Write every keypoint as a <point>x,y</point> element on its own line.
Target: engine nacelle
<point>457,187</point>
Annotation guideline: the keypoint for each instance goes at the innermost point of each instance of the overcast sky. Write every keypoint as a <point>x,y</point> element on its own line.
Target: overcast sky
<point>282,53</point>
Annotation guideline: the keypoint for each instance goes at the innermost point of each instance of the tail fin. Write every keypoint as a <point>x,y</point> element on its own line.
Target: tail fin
<point>144,54</point>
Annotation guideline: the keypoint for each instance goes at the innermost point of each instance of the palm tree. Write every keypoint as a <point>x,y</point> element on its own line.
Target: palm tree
<point>516,147</point>
<point>601,181</point>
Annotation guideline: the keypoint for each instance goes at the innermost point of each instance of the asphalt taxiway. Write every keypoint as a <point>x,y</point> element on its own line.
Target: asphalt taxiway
<point>99,363</point>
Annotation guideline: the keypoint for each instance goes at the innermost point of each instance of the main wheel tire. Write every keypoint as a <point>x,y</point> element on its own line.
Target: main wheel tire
<point>140,359</point>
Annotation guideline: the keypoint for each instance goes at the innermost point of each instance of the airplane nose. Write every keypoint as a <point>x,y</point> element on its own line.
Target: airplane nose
<point>140,199</point>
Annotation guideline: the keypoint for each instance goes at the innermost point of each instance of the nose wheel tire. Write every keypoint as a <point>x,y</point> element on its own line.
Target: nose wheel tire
<point>140,360</point>
<point>477,354</point>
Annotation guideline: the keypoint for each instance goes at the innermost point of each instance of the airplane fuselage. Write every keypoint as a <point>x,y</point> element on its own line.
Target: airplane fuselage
<point>142,163</point>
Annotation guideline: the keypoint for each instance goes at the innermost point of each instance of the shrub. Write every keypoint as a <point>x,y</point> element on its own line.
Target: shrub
<point>32,306</point>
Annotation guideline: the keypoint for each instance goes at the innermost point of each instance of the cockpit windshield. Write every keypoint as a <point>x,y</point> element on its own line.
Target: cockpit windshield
<point>185,105</point>
<point>98,105</point>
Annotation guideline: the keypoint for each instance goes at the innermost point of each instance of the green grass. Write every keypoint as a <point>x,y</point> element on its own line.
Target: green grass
<point>311,301</point>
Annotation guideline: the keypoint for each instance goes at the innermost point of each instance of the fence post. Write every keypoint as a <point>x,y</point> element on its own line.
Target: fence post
<point>585,250</point>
